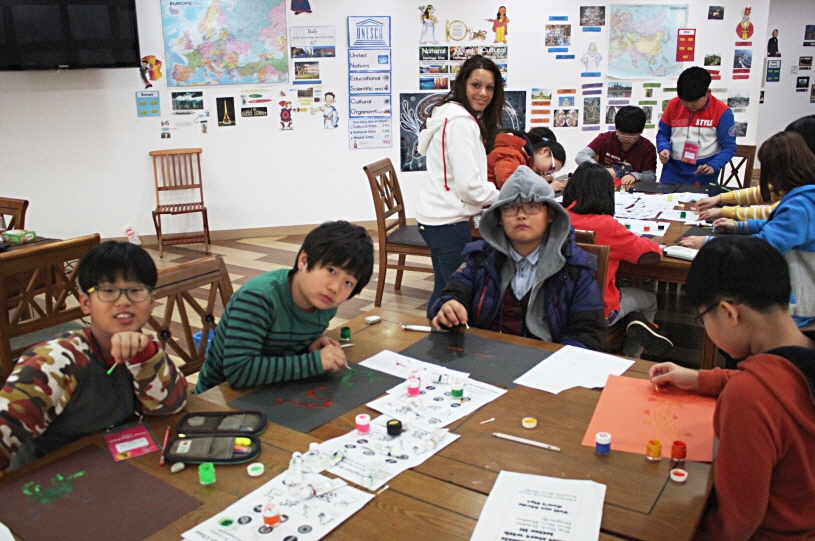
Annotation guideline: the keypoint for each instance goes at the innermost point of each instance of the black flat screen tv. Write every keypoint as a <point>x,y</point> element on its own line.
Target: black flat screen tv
<point>68,34</point>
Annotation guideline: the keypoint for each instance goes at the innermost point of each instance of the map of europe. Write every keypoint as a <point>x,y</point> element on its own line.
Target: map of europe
<point>642,40</point>
<point>225,42</point>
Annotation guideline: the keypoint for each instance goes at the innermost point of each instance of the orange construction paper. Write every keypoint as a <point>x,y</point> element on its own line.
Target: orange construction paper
<point>633,412</point>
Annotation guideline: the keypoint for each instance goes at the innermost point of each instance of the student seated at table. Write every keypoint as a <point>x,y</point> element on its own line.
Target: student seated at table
<point>758,209</point>
<point>527,276</point>
<point>697,133</point>
<point>624,152</point>
<point>764,469</point>
<point>589,199</point>
<point>271,329</point>
<point>788,168</point>
<point>85,381</point>
<point>514,148</point>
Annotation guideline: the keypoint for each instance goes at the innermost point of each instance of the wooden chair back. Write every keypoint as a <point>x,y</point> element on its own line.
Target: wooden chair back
<point>586,237</point>
<point>191,293</point>
<point>177,175</point>
<point>37,286</point>
<point>395,236</point>
<point>12,213</point>
<point>740,167</point>
<point>601,252</point>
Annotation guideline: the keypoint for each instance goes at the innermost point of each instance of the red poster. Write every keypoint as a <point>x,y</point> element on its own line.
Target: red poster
<point>685,44</point>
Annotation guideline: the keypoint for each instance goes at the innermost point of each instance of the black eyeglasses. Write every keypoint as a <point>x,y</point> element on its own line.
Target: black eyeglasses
<point>529,208</point>
<point>699,321</point>
<point>112,294</point>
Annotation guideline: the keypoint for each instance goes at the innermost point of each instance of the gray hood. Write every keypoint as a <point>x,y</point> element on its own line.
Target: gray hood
<point>524,186</point>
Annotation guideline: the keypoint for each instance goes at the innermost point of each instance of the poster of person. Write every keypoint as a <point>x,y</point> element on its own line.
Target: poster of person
<point>649,114</point>
<point>772,45</point>
<point>611,112</point>
<point>591,111</point>
<point>558,35</point>
<point>592,15</point>
<point>715,13</point>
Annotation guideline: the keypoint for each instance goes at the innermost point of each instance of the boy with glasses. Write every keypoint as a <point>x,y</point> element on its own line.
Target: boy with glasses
<point>85,381</point>
<point>697,133</point>
<point>765,412</point>
<point>624,152</point>
<point>527,276</point>
<point>513,148</point>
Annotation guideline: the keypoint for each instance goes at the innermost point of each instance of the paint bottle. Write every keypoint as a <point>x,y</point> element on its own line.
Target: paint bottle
<point>294,475</point>
<point>368,476</point>
<point>345,335</point>
<point>457,389</point>
<point>653,451</point>
<point>683,214</point>
<point>312,459</point>
<point>206,473</point>
<point>271,514</point>
<point>414,387</point>
<point>394,427</point>
<point>435,438</point>
<point>363,422</point>
<point>602,443</point>
<point>679,450</point>
<point>310,491</point>
<point>628,226</point>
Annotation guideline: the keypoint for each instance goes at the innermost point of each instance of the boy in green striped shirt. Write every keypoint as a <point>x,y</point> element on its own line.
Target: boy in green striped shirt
<point>272,328</point>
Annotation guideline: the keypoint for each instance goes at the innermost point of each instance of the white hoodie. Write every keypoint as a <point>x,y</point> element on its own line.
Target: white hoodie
<point>456,186</point>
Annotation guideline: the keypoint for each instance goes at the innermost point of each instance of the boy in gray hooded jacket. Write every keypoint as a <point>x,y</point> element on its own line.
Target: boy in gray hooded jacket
<point>527,277</point>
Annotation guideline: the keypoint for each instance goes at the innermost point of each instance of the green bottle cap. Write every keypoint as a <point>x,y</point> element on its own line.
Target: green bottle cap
<point>206,473</point>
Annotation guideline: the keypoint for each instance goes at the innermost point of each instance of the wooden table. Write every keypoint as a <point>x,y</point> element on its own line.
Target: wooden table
<point>641,502</point>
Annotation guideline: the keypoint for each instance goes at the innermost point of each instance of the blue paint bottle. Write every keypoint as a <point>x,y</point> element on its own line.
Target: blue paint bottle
<point>602,443</point>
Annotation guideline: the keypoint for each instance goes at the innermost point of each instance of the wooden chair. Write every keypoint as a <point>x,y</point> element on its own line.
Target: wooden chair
<point>395,236</point>
<point>177,288</point>
<point>179,171</point>
<point>36,285</point>
<point>601,252</point>
<point>586,237</point>
<point>12,213</point>
<point>741,167</point>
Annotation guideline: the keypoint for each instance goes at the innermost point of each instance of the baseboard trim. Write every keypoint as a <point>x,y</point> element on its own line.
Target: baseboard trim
<point>254,232</point>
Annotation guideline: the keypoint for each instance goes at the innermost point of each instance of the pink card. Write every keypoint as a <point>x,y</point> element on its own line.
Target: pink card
<point>131,441</point>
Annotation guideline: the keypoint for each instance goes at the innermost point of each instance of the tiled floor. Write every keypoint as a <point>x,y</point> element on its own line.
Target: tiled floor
<point>249,257</point>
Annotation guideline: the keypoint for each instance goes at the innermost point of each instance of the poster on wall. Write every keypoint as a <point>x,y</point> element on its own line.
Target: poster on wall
<point>541,106</point>
<point>312,42</point>
<point>370,105</point>
<point>193,42</point>
<point>686,45</point>
<point>643,40</point>
<point>773,70</point>
<point>147,103</point>
<point>415,108</point>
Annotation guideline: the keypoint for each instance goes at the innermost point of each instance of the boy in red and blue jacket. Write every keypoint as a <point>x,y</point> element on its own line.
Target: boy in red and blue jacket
<point>527,277</point>
<point>697,134</point>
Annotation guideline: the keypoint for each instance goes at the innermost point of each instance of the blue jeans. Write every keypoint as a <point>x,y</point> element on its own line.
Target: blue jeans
<point>446,242</point>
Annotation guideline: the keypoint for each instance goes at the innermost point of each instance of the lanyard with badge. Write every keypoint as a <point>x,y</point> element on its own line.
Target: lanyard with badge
<point>691,150</point>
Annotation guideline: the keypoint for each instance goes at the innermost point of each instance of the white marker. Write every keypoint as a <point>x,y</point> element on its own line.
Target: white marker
<point>528,442</point>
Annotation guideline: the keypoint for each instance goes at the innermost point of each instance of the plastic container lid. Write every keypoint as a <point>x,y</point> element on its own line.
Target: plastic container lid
<point>255,469</point>
<point>314,446</point>
<point>679,475</point>
<point>603,438</point>
<point>529,422</point>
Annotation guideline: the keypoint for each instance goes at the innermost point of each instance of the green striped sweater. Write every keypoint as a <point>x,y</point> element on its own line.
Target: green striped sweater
<point>263,337</point>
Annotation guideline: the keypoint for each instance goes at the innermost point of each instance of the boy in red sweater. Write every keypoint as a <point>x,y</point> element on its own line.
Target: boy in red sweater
<point>764,470</point>
<point>513,148</point>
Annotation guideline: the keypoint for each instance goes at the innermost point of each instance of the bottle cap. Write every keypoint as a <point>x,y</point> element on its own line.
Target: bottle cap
<point>679,475</point>
<point>255,469</point>
<point>603,438</point>
<point>394,427</point>
<point>529,422</point>
<point>314,446</point>
<point>345,333</point>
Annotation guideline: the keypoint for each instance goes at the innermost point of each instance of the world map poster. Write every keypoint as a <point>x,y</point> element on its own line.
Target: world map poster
<point>642,40</point>
<point>215,42</point>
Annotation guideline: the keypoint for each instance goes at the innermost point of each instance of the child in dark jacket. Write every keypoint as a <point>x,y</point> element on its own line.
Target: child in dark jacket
<point>527,277</point>
<point>589,199</point>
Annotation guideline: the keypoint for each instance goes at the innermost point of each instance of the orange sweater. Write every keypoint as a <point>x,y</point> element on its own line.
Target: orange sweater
<point>508,153</point>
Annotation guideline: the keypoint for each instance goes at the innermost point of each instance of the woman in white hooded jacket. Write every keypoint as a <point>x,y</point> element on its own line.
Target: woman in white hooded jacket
<point>457,137</point>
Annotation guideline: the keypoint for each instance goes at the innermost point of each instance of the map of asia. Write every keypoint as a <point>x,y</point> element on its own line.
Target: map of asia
<point>642,40</point>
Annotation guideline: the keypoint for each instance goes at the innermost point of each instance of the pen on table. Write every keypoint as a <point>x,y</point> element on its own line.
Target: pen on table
<point>528,442</point>
<point>420,328</point>
<point>343,346</point>
<point>164,446</point>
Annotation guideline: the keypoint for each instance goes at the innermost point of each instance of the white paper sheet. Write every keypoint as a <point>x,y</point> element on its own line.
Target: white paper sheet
<point>573,367</point>
<point>380,457</point>
<point>311,518</point>
<point>402,366</point>
<point>435,407</point>
<point>523,506</point>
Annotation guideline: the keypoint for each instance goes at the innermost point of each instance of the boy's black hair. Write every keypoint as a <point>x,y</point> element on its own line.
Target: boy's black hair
<point>111,260</point>
<point>592,187</point>
<point>543,133</point>
<point>693,83</point>
<point>786,163</point>
<point>742,268</point>
<point>557,150</point>
<point>341,244</point>
<point>805,127</point>
<point>630,119</point>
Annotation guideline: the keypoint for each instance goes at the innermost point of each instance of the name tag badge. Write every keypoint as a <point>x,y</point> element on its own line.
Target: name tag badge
<point>689,153</point>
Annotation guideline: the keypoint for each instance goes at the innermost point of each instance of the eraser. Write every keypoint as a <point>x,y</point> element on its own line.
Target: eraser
<point>370,320</point>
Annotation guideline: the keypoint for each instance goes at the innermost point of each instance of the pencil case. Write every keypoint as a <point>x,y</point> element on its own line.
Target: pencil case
<point>222,423</point>
<point>221,437</point>
<point>216,449</point>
